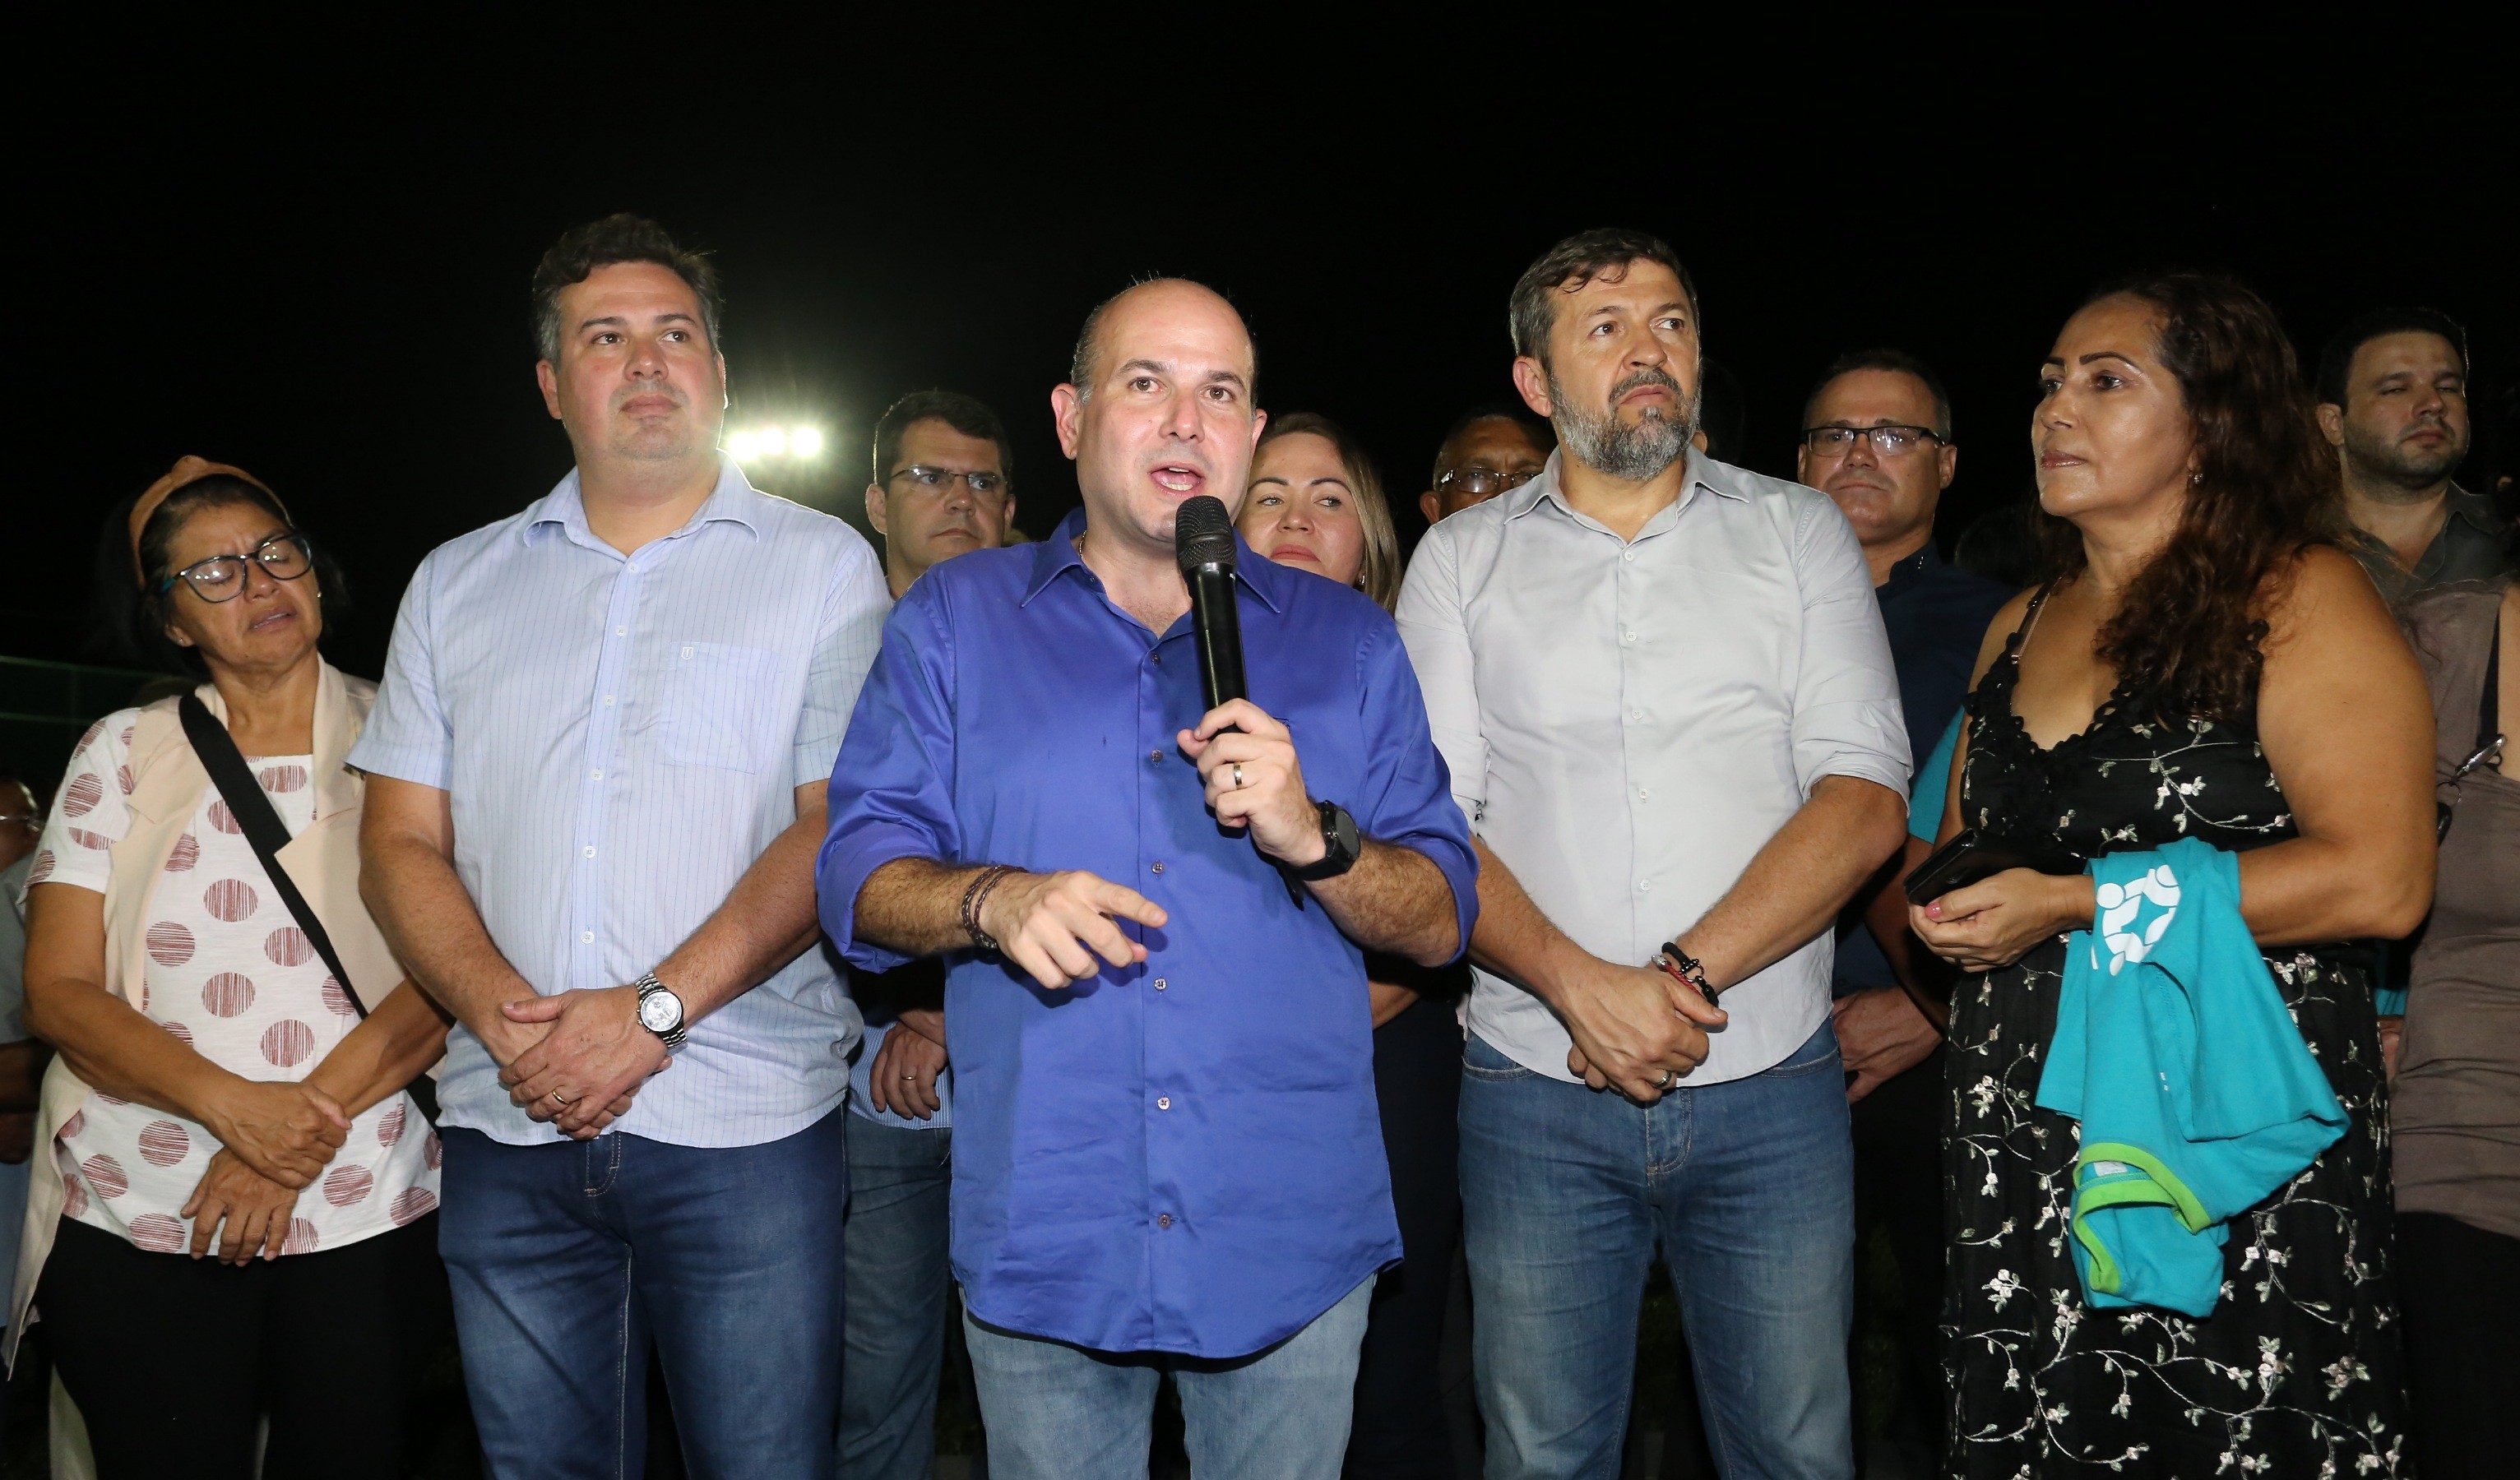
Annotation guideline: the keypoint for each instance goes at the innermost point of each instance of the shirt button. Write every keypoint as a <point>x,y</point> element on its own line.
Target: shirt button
<point>588,937</point>
<point>687,653</point>
<point>1643,796</point>
<point>1644,887</point>
<point>1159,984</point>
<point>1628,636</point>
<point>620,632</point>
<point>608,701</point>
<point>595,774</point>
<point>1163,1220</point>
<point>1635,714</point>
<point>590,852</point>
<point>1154,757</point>
<point>1159,865</point>
<point>1164,1102</point>
<point>1628,555</point>
<point>633,570</point>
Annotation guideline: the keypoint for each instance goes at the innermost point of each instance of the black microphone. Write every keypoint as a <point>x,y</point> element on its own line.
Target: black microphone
<point>1204,544</point>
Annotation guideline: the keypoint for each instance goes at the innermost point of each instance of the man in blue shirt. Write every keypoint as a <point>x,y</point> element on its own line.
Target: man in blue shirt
<point>1167,1153</point>
<point>595,788</point>
<point>1878,440</point>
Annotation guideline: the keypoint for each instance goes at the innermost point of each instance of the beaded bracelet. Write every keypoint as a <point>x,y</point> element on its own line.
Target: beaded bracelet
<point>976,895</point>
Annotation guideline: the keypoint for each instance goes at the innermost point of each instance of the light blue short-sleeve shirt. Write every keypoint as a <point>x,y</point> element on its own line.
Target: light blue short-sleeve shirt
<point>621,737</point>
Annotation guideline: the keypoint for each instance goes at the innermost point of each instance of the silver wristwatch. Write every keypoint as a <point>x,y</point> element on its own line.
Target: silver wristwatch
<point>660,1011</point>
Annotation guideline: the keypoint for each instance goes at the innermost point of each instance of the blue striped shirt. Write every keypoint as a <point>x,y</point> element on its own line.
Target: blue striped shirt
<point>621,737</point>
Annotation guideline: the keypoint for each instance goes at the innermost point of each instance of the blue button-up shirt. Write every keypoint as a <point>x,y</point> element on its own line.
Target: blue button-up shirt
<point>621,737</point>
<point>1182,1156</point>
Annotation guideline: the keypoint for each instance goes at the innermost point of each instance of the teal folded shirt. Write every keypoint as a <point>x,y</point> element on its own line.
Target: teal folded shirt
<point>2197,1094</point>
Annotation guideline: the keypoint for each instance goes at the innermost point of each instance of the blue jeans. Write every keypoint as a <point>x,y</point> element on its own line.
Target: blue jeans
<point>900,1289</point>
<point>1749,1188</point>
<point>568,1261</point>
<point>1057,1412</point>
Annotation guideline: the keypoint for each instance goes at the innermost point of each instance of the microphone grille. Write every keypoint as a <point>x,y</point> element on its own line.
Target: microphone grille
<point>1202,534</point>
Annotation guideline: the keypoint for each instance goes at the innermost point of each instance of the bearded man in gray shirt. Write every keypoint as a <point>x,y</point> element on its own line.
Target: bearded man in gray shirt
<point>1664,693</point>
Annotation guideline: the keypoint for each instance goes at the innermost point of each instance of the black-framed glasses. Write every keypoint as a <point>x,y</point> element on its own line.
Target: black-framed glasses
<point>221,577</point>
<point>938,479</point>
<point>1887,442</point>
<point>1481,482</point>
<point>2445,792</point>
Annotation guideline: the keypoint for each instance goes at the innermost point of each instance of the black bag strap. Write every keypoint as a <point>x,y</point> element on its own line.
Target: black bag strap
<point>2488,704</point>
<point>264,829</point>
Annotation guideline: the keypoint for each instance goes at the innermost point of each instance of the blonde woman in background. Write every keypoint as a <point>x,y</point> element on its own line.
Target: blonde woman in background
<point>1315,504</point>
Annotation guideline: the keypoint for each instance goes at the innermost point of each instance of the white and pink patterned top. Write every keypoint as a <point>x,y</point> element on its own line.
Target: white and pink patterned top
<point>232,974</point>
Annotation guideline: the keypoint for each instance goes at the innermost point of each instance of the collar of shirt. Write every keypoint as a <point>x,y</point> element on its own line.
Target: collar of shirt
<point>733,501</point>
<point>1263,578</point>
<point>1700,471</point>
<point>1912,571</point>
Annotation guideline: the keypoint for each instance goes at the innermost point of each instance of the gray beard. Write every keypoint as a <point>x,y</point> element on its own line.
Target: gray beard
<point>1607,445</point>
<point>2388,469</point>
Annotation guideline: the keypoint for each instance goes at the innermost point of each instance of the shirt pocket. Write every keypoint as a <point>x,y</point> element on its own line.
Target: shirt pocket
<point>717,708</point>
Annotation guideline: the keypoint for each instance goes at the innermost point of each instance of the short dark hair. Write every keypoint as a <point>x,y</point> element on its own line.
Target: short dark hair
<point>618,238</point>
<point>2336,360</point>
<point>968,415</point>
<point>131,616</point>
<point>1543,435</point>
<point>1574,262</point>
<point>1898,362</point>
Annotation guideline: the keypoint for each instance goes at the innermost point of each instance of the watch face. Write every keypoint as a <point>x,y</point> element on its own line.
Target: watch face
<point>660,1012</point>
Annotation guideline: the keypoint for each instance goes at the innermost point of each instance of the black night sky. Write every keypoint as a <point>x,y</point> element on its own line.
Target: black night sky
<point>326,282</point>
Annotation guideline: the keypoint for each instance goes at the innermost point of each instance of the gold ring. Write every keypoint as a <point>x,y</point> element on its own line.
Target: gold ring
<point>559,1097</point>
<point>1237,776</point>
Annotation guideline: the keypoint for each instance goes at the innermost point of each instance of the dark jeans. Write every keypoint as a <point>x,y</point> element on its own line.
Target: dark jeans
<point>1400,1431</point>
<point>2460,1286</point>
<point>569,1261</point>
<point>173,1360</point>
<point>1899,1188</point>
<point>900,1289</point>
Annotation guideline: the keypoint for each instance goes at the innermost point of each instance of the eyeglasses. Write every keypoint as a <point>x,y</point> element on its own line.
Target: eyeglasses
<point>1479,482</point>
<point>938,479</point>
<point>221,577</point>
<point>1887,442</point>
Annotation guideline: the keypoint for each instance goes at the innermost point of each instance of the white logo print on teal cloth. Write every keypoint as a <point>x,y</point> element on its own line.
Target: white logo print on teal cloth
<point>2133,916</point>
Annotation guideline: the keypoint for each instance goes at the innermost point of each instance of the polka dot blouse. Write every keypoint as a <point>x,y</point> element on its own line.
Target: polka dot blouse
<point>229,973</point>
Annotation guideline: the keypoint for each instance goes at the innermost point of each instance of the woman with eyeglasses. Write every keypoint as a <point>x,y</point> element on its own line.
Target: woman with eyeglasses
<point>232,1209</point>
<point>2455,1101</point>
<point>1314,503</point>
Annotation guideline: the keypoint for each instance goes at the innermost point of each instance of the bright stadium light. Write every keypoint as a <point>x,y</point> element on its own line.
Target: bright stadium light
<point>755,442</point>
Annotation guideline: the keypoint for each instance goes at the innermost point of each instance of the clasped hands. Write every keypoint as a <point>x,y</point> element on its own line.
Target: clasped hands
<point>1980,926</point>
<point>1635,1029</point>
<point>275,1137</point>
<point>1056,925</point>
<point>576,1058</point>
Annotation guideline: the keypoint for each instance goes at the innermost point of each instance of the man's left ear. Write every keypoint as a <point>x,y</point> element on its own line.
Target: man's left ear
<point>1950,458</point>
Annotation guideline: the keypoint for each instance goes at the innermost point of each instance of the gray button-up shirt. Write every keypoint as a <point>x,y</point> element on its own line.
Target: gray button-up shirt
<point>1628,722</point>
<point>2471,547</point>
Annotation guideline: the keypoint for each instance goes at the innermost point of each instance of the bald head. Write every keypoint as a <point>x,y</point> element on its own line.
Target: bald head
<point>1160,299</point>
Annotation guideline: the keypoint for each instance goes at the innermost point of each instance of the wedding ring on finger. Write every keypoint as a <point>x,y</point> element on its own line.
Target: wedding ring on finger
<point>1666,1080</point>
<point>1237,776</point>
<point>560,1098</point>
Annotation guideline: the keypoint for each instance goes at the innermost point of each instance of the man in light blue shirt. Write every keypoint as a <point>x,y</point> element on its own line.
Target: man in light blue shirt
<point>596,773</point>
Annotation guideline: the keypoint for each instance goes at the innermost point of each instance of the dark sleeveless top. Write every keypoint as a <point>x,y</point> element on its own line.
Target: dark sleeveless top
<point>2297,1367</point>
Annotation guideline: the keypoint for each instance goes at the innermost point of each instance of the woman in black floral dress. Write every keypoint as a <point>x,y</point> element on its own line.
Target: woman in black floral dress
<point>2205,666</point>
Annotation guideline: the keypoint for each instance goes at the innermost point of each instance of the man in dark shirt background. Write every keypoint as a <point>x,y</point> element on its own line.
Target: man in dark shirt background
<point>2393,402</point>
<point>1878,440</point>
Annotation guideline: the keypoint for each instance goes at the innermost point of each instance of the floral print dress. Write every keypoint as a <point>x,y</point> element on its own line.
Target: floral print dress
<point>2297,1371</point>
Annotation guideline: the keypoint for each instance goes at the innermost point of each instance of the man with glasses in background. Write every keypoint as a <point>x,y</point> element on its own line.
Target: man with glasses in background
<point>944,482</point>
<point>943,486</point>
<point>1878,440</point>
<point>1490,450</point>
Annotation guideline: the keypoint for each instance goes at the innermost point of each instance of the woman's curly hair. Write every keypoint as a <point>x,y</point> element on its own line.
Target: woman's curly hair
<point>2189,629</point>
